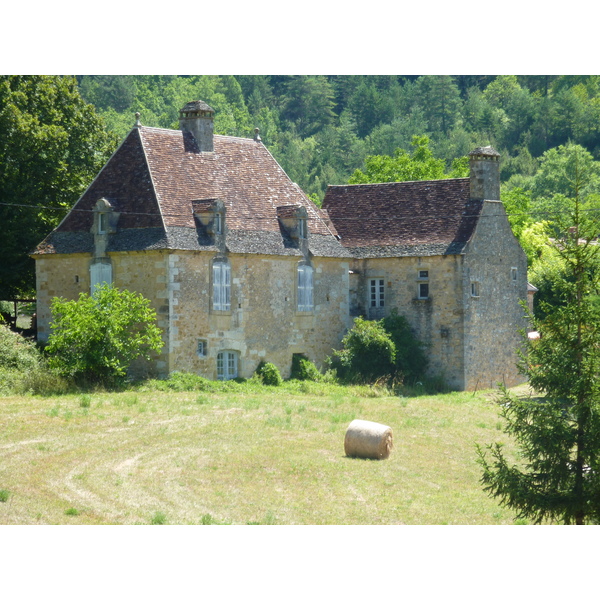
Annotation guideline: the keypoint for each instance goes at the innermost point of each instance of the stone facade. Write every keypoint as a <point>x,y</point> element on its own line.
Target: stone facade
<point>241,267</point>
<point>443,255</point>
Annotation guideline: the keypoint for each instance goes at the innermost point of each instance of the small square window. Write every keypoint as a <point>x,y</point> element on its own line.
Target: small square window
<point>423,274</point>
<point>475,289</point>
<point>423,291</point>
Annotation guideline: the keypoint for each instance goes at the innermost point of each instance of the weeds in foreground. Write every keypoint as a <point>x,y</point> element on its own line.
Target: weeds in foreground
<point>159,518</point>
<point>4,495</point>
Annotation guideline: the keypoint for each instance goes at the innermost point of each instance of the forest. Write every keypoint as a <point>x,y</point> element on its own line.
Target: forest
<point>323,130</point>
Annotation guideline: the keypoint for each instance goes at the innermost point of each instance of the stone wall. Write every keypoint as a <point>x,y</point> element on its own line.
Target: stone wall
<point>263,323</point>
<point>437,320</point>
<point>496,263</point>
<point>67,276</point>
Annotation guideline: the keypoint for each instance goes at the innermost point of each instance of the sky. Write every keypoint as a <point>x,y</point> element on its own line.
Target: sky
<point>512,37</point>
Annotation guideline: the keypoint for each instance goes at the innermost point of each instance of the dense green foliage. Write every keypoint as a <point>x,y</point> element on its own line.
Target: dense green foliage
<point>558,478</point>
<point>410,361</point>
<point>16,352</point>
<point>97,337</point>
<point>269,373</point>
<point>374,350</point>
<point>322,128</point>
<point>367,353</point>
<point>303,369</point>
<point>52,144</point>
<point>419,166</point>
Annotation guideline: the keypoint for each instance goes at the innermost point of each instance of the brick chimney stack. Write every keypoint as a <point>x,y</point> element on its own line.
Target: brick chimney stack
<point>485,173</point>
<point>197,118</point>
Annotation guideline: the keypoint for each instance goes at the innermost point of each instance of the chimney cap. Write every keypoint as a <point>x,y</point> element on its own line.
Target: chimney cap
<point>196,106</point>
<point>484,151</point>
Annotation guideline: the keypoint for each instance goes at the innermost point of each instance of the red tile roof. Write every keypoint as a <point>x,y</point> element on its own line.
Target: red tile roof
<point>240,172</point>
<point>414,216</point>
<point>155,175</point>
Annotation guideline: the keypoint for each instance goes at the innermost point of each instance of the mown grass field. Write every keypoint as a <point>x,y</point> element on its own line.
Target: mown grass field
<point>245,454</point>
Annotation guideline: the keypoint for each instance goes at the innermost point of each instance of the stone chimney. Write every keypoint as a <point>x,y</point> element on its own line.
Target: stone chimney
<point>197,118</point>
<point>485,174</point>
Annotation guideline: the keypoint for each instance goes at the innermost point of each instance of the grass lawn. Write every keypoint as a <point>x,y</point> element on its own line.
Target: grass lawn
<point>247,454</point>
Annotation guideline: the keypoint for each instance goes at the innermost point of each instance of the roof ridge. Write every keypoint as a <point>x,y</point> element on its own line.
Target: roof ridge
<point>341,185</point>
<point>178,131</point>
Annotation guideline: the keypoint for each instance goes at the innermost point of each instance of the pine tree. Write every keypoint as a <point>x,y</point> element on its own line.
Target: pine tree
<point>558,432</point>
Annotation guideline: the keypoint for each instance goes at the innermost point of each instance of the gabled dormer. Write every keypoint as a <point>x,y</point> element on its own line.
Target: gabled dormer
<point>210,212</point>
<point>294,220</point>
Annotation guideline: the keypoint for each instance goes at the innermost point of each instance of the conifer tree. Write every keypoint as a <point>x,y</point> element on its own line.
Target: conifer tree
<point>557,478</point>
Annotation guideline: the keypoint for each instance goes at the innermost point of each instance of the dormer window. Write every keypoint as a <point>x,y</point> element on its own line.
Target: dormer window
<point>105,217</point>
<point>102,223</point>
<point>294,219</point>
<point>302,229</point>
<point>211,213</point>
<point>218,223</point>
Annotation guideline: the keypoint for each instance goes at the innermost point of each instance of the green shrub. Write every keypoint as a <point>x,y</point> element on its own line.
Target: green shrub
<point>95,338</point>
<point>269,374</point>
<point>16,352</point>
<point>368,352</point>
<point>303,369</point>
<point>411,359</point>
<point>380,350</point>
<point>4,495</point>
<point>185,382</point>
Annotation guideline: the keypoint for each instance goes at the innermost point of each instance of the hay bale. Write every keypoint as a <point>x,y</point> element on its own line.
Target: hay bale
<point>366,439</point>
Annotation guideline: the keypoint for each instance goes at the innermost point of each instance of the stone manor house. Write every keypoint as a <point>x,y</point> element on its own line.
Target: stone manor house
<point>241,266</point>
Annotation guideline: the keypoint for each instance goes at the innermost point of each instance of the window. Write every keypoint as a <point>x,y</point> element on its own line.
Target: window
<point>102,222</point>
<point>218,223</point>
<point>376,293</point>
<point>302,230</point>
<point>221,286</point>
<point>202,348</point>
<point>475,289</point>
<point>423,288</point>
<point>305,288</point>
<point>227,365</point>
<point>513,274</point>
<point>100,272</point>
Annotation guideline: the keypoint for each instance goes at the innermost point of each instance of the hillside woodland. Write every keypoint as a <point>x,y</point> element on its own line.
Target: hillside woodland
<point>322,130</point>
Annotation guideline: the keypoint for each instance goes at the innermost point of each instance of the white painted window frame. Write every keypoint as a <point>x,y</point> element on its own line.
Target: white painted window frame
<point>376,292</point>
<point>227,365</point>
<point>221,281</point>
<point>305,288</point>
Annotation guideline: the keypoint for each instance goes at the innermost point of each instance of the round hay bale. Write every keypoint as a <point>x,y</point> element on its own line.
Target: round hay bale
<point>366,439</point>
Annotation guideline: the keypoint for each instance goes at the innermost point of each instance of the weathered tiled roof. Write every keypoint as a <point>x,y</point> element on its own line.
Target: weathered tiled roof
<point>155,177</point>
<point>412,218</point>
